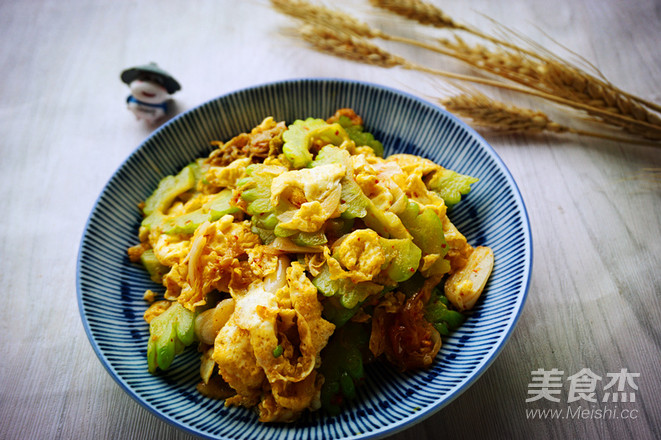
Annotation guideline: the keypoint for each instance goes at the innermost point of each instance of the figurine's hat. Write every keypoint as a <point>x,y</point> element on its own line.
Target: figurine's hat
<point>170,84</point>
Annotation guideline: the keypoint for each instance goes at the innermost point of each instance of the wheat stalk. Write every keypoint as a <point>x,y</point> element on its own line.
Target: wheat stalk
<point>547,56</point>
<point>508,119</point>
<point>564,81</point>
<point>508,64</point>
<point>482,110</point>
<point>359,49</point>
<point>544,73</point>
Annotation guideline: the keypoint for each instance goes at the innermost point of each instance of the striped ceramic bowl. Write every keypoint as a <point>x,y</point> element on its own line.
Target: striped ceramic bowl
<point>110,288</point>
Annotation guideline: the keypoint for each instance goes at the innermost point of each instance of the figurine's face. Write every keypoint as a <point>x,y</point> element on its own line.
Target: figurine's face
<point>148,91</point>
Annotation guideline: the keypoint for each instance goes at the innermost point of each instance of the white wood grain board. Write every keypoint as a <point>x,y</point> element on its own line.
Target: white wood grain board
<point>594,211</point>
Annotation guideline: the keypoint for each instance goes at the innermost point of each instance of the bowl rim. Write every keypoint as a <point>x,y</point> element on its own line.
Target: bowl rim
<point>397,426</point>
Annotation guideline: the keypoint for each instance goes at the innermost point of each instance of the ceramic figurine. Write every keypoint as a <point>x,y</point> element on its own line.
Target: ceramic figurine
<point>151,88</point>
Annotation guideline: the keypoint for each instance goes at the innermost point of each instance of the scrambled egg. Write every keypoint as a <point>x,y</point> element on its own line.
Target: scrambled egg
<point>360,253</point>
<point>217,260</point>
<point>264,320</point>
<point>313,195</point>
<point>285,241</point>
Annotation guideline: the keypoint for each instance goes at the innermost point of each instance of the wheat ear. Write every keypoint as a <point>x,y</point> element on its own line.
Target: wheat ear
<point>424,13</point>
<point>351,47</point>
<point>430,15</point>
<point>508,119</point>
<point>564,81</point>
<point>324,16</point>
<point>342,22</point>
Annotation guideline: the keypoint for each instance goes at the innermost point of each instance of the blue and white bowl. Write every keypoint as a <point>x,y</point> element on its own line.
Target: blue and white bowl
<point>110,287</point>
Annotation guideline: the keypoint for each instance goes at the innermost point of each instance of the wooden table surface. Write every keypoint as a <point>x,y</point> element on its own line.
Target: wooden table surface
<point>594,206</point>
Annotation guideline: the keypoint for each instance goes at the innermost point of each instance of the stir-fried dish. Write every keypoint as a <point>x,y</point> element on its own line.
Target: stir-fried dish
<point>295,254</point>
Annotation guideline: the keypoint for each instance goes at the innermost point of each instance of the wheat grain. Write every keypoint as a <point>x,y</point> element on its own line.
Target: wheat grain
<point>509,64</point>
<point>324,16</point>
<point>419,11</point>
<point>348,46</point>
